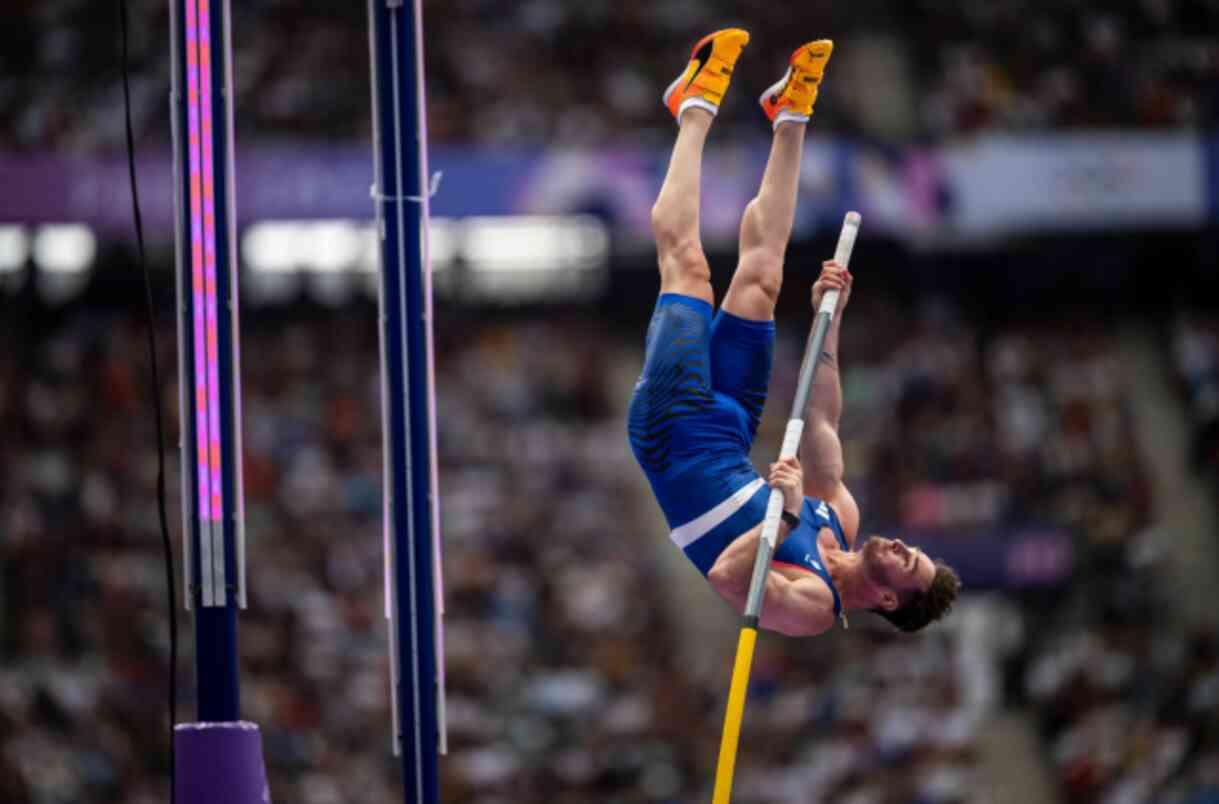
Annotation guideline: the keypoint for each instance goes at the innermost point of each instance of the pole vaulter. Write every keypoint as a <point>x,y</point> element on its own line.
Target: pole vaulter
<point>782,553</point>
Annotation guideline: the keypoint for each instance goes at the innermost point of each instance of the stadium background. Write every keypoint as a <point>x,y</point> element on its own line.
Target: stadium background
<point>1031,379</point>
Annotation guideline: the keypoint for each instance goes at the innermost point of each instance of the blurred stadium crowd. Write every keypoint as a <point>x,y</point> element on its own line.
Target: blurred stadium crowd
<point>570,677</point>
<point>565,679</point>
<point>521,73</point>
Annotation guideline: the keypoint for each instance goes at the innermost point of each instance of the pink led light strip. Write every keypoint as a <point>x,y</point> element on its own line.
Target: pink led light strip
<point>209,260</point>
<point>203,260</point>
<point>196,251</point>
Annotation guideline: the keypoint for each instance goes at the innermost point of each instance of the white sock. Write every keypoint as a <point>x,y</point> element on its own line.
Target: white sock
<point>786,116</point>
<point>696,102</point>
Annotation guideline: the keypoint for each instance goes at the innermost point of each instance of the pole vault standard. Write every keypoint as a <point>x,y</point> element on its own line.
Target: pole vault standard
<point>219,756</point>
<point>770,525</point>
<point>413,599</point>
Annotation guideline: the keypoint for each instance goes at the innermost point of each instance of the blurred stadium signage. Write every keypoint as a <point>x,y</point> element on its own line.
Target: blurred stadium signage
<point>1002,558</point>
<point>983,188</point>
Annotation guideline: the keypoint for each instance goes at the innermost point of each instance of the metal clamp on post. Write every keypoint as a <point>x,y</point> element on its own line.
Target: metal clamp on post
<point>433,188</point>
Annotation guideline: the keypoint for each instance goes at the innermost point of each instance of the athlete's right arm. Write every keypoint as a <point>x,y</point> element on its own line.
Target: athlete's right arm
<point>793,606</point>
<point>733,570</point>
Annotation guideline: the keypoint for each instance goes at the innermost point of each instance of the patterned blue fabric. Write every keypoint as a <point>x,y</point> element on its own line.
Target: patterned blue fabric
<point>691,438</point>
<point>742,353</point>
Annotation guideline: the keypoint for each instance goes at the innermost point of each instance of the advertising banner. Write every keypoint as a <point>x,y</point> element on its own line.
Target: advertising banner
<point>989,187</point>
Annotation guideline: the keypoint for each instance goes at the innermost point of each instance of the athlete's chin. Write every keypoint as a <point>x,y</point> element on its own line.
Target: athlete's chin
<point>873,554</point>
<point>872,548</point>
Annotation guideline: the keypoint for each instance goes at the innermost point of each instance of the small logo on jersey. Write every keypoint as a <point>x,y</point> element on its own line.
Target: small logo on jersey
<point>808,558</point>
<point>823,510</point>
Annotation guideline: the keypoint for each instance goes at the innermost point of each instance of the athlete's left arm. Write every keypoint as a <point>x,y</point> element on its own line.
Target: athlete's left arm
<point>820,446</point>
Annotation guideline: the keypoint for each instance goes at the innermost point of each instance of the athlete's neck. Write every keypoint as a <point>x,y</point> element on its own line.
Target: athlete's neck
<point>846,569</point>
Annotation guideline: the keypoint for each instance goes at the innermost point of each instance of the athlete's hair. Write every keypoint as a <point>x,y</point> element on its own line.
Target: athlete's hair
<point>923,608</point>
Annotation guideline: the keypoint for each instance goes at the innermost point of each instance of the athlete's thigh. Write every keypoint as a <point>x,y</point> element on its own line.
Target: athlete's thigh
<point>742,354</point>
<point>674,390</point>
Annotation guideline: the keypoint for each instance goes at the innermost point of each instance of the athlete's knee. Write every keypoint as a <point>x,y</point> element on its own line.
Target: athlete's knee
<point>761,269</point>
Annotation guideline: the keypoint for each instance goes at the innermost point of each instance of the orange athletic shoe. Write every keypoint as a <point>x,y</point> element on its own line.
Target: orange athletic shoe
<point>793,96</point>
<point>705,79</point>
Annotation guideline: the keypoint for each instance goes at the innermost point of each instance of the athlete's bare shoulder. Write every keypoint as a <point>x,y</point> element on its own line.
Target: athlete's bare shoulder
<point>802,605</point>
<point>843,503</point>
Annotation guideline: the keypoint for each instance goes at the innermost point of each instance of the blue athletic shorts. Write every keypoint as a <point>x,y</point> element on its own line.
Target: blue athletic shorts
<point>696,409</point>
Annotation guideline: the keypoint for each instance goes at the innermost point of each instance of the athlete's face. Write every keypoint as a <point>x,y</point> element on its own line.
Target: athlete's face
<point>892,564</point>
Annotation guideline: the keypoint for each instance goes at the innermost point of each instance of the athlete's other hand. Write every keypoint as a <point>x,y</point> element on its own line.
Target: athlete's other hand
<point>833,277</point>
<point>787,477</point>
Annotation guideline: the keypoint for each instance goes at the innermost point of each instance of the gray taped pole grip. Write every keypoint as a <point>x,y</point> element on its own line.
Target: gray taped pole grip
<point>774,506</point>
<point>842,256</point>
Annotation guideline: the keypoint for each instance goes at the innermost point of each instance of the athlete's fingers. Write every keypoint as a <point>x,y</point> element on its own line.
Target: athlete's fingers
<point>785,475</point>
<point>782,473</point>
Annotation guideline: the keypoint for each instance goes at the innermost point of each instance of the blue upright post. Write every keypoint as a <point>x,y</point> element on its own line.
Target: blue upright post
<point>220,758</point>
<point>399,158</point>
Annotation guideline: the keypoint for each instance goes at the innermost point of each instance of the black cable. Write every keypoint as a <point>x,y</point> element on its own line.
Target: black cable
<point>156,405</point>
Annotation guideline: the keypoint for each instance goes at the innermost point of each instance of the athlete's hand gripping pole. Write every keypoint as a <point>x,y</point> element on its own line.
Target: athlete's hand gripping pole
<point>770,525</point>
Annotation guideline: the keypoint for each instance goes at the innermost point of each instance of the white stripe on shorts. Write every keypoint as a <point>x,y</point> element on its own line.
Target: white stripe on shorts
<point>700,526</point>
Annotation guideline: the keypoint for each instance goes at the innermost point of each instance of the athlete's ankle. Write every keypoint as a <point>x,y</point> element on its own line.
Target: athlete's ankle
<point>695,116</point>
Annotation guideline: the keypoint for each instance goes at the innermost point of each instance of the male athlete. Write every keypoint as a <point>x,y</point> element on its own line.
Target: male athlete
<point>697,405</point>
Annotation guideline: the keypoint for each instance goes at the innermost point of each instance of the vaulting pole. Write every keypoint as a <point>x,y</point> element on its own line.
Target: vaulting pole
<point>770,526</point>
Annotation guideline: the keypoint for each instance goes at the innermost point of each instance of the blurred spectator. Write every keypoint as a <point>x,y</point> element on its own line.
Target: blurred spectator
<point>1196,360</point>
<point>519,73</point>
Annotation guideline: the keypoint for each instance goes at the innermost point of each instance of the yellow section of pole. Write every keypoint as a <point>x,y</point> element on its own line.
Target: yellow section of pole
<point>736,712</point>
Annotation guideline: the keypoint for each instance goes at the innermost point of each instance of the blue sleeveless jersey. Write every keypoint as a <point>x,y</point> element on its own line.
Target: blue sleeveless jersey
<point>800,549</point>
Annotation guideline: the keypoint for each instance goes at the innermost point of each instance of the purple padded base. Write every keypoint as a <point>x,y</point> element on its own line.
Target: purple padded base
<point>220,762</point>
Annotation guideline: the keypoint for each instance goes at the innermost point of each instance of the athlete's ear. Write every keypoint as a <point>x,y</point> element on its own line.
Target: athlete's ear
<point>888,600</point>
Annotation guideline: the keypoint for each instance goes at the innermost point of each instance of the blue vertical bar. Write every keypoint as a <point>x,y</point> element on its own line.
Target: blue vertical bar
<point>220,696</point>
<point>396,27</point>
